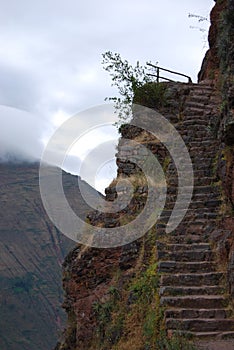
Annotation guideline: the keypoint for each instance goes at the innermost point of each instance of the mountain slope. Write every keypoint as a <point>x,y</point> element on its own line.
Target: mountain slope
<point>31,253</point>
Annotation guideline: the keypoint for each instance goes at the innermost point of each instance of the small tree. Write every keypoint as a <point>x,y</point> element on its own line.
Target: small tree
<point>127,79</point>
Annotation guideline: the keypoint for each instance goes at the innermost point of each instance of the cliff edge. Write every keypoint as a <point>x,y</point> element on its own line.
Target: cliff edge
<point>164,288</point>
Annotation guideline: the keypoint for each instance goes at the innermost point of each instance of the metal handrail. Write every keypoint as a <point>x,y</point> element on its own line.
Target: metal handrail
<point>157,75</point>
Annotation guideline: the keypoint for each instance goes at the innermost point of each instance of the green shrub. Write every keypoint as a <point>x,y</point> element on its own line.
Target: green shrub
<point>151,95</point>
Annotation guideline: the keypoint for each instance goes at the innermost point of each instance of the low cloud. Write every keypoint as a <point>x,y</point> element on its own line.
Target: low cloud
<point>20,134</point>
<point>50,57</point>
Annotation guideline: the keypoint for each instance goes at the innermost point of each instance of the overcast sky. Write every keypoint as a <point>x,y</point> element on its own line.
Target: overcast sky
<point>50,56</point>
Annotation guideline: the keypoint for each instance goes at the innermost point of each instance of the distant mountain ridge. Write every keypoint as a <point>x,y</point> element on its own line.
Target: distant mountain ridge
<point>31,253</point>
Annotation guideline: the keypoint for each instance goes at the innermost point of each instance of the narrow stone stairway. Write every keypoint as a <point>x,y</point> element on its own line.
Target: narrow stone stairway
<point>193,286</point>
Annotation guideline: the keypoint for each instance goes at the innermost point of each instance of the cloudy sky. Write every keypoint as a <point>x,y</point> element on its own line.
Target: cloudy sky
<point>50,57</point>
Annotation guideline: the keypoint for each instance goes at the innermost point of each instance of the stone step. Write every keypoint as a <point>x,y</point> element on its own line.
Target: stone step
<point>184,266</point>
<point>188,220</point>
<point>199,89</point>
<point>197,196</point>
<point>192,226</point>
<point>183,291</point>
<point>201,178</point>
<point>188,138</point>
<point>189,216</point>
<point>193,132</point>
<point>204,335</point>
<point>190,212</point>
<point>216,344</point>
<point>195,135</point>
<point>206,89</point>
<point>198,217</point>
<point>197,96</point>
<point>192,111</point>
<point>201,325</point>
<point>185,228</point>
<point>201,132</point>
<point>198,237</point>
<point>196,204</point>
<point>201,99</point>
<point>200,136</point>
<point>183,247</point>
<point>198,313</point>
<point>206,156</point>
<point>204,143</point>
<point>201,147</point>
<point>206,189</point>
<point>203,181</point>
<point>204,117</point>
<point>206,181</point>
<point>195,221</point>
<point>195,301</point>
<point>190,255</point>
<point>185,238</point>
<point>193,279</point>
<point>195,121</point>
<point>207,159</point>
<point>206,204</point>
<point>192,170</point>
<point>196,103</point>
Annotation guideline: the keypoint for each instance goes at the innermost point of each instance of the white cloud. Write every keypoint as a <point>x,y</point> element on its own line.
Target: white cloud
<point>50,51</point>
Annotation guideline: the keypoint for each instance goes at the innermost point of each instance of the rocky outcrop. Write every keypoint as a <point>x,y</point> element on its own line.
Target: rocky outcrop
<point>219,62</point>
<point>218,65</point>
<point>211,63</point>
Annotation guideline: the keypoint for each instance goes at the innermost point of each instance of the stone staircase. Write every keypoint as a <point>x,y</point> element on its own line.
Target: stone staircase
<point>193,286</point>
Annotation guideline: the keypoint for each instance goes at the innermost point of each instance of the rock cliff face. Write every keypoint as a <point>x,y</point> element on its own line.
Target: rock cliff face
<point>32,251</point>
<point>219,64</point>
<point>112,295</point>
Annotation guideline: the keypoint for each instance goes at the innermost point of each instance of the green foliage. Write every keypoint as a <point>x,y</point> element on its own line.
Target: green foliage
<point>132,317</point>
<point>109,325</point>
<point>166,162</point>
<point>145,287</point>
<point>102,312</point>
<point>153,323</point>
<point>176,342</point>
<point>115,329</point>
<point>127,79</point>
<point>115,293</point>
<point>151,95</point>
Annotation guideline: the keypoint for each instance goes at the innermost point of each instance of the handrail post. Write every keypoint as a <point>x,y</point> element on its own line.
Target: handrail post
<point>166,70</point>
